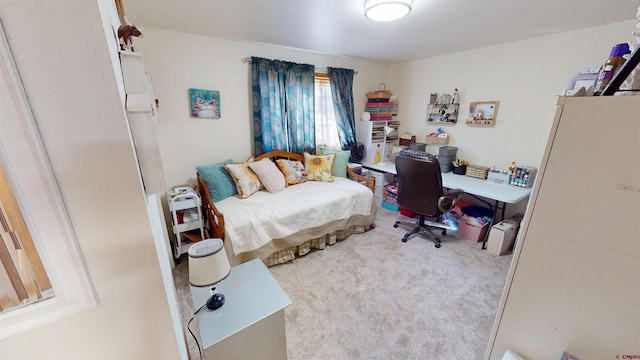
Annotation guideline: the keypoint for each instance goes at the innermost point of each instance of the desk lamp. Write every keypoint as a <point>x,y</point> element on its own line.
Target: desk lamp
<point>208,265</point>
<point>388,130</point>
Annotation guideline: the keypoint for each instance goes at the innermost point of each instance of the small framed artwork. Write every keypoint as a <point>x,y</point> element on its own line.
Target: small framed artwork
<point>482,113</point>
<point>204,103</point>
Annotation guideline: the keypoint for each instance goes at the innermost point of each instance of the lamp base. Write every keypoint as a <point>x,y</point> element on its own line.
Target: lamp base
<point>215,301</point>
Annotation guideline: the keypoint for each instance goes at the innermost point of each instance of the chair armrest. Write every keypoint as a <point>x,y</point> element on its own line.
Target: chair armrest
<point>453,192</point>
<point>368,182</point>
<point>448,201</point>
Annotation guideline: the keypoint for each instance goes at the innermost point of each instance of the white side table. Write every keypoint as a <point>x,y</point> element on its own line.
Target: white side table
<point>250,324</point>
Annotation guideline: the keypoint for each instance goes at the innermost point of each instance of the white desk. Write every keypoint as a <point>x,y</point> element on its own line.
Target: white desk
<point>502,194</point>
<point>474,186</point>
<point>250,324</point>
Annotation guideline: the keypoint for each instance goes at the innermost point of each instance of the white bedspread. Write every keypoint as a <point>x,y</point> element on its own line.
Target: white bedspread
<point>253,222</point>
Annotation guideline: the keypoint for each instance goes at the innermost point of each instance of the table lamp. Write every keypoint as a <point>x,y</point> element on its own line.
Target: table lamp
<point>388,130</point>
<point>208,265</point>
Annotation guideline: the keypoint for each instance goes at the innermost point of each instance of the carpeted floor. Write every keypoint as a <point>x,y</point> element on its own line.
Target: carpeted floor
<point>373,297</point>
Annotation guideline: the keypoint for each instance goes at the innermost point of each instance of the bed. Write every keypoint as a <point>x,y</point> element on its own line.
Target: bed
<point>277,227</point>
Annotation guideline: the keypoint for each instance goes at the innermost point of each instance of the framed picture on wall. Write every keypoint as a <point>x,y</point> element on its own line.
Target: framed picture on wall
<point>204,103</point>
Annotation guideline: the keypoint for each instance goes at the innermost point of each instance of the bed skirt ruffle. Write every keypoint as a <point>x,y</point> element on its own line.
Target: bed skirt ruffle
<point>286,255</point>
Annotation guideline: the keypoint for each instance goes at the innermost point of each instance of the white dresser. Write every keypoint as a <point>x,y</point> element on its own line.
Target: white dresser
<point>250,324</point>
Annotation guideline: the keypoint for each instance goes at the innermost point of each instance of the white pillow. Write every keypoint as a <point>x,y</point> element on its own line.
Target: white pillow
<point>269,174</point>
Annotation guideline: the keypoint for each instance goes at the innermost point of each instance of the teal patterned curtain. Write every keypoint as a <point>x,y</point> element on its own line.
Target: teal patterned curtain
<point>283,106</point>
<point>341,81</point>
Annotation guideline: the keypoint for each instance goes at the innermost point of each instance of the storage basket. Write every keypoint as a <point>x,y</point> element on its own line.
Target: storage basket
<point>381,94</point>
<point>469,228</point>
<point>460,170</point>
<point>476,171</point>
<point>436,140</point>
<point>407,139</point>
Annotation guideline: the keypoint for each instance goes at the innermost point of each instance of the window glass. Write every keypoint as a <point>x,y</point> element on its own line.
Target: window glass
<point>23,279</point>
<point>325,120</point>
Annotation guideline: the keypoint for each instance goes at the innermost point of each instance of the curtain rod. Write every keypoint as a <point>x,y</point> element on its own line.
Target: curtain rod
<point>248,61</point>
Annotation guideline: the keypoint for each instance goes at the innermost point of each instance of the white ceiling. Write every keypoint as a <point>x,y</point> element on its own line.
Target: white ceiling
<point>338,27</point>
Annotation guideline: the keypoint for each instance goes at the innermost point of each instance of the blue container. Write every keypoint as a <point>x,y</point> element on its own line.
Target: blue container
<point>388,206</point>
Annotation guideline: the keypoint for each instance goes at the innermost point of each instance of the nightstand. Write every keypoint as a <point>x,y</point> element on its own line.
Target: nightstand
<point>250,324</point>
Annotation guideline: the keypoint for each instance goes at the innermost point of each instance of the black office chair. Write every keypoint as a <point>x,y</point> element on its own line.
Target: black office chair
<point>420,191</point>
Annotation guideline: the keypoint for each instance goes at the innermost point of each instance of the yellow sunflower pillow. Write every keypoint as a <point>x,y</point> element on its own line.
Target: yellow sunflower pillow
<point>247,181</point>
<point>319,167</point>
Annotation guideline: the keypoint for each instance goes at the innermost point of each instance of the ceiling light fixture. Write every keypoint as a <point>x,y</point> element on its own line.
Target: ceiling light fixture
<point>386,10</point>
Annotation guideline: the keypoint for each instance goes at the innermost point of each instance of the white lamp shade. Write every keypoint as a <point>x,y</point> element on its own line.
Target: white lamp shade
<point>208,263</point>
<point>388,130</point>
<point>386,10</point>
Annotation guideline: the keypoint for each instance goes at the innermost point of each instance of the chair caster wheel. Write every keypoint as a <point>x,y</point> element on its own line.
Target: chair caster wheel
<point>404,239</point>
<point>444,231</point>
<point>395,225</point>
<point>437,246</point>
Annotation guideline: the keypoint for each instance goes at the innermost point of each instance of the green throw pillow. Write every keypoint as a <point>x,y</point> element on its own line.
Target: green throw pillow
<point>218,179</point>
<point>340,163</point>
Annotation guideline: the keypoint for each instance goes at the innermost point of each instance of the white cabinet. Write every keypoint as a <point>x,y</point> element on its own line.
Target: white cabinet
<point>371,134</point>
<point>573,285</point>
<point>185,206</point>
<point>250,325</point>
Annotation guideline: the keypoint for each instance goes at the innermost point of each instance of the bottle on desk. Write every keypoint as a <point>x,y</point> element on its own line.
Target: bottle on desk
<point>378,156</point>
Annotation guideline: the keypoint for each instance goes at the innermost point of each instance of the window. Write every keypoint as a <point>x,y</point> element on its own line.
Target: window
<point>325,120</point>
<point>30,181</point>
<point>23,279</point>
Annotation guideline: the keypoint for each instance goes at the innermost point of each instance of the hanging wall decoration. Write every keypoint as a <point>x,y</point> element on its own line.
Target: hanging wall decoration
<point>204,103</point>
<point>482,113</point>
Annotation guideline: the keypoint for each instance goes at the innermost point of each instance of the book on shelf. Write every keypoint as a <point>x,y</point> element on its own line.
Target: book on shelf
<point>381,117</point>
<point>379,111</point>
<point>379,104</point>
<point>191,236</point>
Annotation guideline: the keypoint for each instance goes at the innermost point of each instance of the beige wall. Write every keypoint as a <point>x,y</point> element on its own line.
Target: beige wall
<point>62,56</point>
<point>525,76</point>
<point>179,61</point>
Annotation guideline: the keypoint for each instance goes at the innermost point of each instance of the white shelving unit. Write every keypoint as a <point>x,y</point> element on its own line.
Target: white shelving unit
<point>186,212</point>
<point>380,112</point>
<point>371,134</point>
